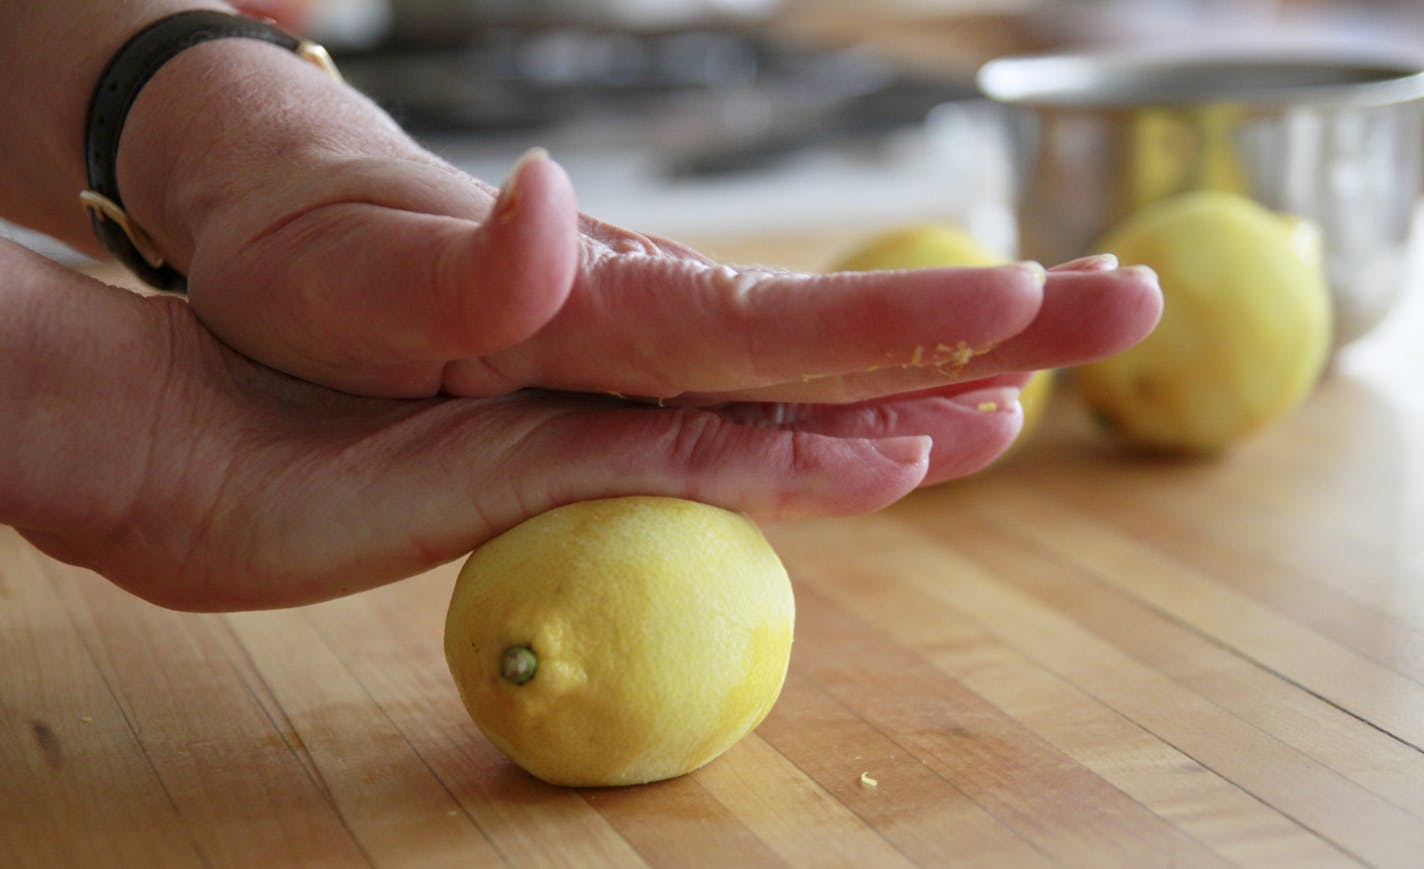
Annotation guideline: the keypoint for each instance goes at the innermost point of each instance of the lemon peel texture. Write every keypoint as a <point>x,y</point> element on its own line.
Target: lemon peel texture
<point>621,641</point>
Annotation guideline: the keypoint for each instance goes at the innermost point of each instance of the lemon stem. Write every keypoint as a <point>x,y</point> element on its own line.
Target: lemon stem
<point>518,664</point>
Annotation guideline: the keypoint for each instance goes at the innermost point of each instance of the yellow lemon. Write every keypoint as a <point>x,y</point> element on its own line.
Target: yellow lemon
<point>621,641</point>
<point>926,245</point>
<point>1034,399</point>
<point>935,245</point>
<point>1244,335</point>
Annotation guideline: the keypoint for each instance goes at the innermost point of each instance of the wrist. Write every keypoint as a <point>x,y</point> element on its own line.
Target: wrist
<point>234,126</point>
<point>59,51</point>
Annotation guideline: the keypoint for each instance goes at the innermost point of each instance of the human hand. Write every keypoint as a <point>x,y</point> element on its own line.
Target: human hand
<point>151,452</point>
<point>448,285</point>
<point>361,262</point>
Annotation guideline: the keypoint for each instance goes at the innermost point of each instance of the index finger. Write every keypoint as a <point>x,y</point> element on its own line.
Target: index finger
<point>647,324</point>
<point>1084,315</point>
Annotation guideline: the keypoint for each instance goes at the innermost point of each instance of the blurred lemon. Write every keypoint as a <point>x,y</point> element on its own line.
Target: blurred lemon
<point>922,246</point>
<point>621,641</point>
<point>1175,149</point>
<point>1244,335</point>
<point>1034,399</point>
<point>936,245</point>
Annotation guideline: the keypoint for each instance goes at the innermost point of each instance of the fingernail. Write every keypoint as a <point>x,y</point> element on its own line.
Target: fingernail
<point>508,202</point>
<point>1100,262</point>
<point>907,450</point>
<point>535,153</point>
<point>1034,268</point>
<point>991,399</point>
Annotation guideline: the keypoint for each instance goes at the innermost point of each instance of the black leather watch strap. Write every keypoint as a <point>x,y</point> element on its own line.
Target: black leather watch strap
<point>119,86</point>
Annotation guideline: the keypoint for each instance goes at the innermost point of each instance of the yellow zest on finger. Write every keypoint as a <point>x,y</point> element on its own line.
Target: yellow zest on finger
<point>960,353</point>
<point>945,358</point>
<point>988,406</point>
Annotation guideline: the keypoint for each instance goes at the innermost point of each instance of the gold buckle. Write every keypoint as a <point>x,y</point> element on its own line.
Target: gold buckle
<point>315,52</point>
<point>107,209</point>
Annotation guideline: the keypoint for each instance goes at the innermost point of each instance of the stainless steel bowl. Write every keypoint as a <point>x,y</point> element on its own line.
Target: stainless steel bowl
<point>1332,138</point>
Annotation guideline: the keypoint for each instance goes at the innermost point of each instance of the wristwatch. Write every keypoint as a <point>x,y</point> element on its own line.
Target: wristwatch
<point>114,95</point>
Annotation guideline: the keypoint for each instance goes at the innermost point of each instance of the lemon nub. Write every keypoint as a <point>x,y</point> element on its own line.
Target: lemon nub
<point>518,664</point>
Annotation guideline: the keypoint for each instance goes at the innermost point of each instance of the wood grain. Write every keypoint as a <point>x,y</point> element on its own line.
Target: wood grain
<point>1081,658</point>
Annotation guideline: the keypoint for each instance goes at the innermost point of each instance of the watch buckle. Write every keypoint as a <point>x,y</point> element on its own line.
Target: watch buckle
<point>101,206</point>
<point>316,53</point>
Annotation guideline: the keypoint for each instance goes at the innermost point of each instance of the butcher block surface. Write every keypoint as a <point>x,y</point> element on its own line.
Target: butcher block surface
<point>1080,657</point>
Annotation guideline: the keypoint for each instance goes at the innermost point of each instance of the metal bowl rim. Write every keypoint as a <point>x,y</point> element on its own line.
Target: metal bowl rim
<point>1064,80</point>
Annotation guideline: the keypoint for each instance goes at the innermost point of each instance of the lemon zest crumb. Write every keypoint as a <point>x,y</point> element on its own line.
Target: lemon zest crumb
<point>867,782</point>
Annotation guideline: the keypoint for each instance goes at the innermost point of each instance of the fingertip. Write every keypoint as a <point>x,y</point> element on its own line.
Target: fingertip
<point>1141,285</point>
<point>1035,270</point>
<point>1099,262</point>
<point>512,273</point>
<point>909,450</point>
<point>538,176</point>
<point>833,476</point>
<point>1086,315</point>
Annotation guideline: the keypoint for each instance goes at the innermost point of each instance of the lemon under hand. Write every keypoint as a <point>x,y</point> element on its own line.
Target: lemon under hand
<point>621,641</point>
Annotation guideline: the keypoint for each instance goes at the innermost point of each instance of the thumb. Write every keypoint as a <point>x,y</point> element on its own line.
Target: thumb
<point>499,281</point>
<point>376,297</point>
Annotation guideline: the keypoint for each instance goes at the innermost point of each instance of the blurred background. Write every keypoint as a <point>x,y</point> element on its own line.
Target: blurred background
<point>698,118</point>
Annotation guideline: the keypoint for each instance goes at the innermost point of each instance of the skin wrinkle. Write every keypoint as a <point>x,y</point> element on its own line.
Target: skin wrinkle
<point>181,204</point>
<point>722,285</point>
<point>386,443</point>
<point>491,378</point>
<point>647,377</point>
<point>296,233</point>
<point>199,510</point>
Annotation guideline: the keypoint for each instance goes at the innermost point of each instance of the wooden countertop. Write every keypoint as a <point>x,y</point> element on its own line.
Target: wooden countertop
<point>1077,658</point>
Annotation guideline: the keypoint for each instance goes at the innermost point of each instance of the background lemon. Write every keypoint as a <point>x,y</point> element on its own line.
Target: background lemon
<point>922,246</point>
<point>1244,334</point>
<point>621,641</point>
<point>936,245</point>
